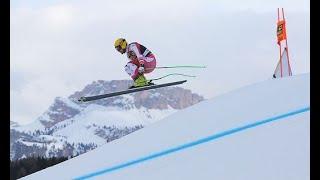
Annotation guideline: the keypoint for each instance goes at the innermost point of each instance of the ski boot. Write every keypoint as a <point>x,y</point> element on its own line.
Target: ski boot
<point>141,81</point>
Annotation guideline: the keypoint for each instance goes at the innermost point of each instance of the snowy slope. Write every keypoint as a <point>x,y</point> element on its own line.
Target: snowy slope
<point>211,140</point>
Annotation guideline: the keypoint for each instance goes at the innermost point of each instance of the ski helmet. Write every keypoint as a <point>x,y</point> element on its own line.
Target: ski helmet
<point>120,42</point>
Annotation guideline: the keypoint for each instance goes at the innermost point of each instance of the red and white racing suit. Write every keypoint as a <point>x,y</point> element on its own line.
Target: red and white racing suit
<point>139,56</point>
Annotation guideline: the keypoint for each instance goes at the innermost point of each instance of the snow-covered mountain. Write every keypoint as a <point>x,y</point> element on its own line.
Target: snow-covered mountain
<point>261,131</point>
<point>70,128</point>
<point>13,124</point>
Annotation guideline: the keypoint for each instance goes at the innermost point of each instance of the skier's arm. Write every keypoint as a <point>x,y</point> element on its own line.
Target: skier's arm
<point>134,54</point>
<point>133,51</point>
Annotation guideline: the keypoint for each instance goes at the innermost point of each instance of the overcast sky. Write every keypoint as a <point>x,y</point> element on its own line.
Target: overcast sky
<point>57,47</point>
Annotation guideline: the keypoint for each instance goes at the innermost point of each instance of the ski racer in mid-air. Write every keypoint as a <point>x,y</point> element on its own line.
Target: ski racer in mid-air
<point>141,61</point>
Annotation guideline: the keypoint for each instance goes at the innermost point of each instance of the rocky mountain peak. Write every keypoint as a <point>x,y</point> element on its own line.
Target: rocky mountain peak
<point>162,98</point>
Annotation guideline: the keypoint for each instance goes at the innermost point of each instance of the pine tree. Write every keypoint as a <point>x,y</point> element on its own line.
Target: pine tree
<point>26,166</point>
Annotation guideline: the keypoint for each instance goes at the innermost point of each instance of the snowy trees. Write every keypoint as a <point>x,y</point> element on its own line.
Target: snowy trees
<point>23,167</point>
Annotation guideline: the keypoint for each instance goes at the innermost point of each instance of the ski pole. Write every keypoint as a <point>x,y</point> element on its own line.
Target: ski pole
<point>173,74</point>
<point>163,67</point>
<point>167,67</point>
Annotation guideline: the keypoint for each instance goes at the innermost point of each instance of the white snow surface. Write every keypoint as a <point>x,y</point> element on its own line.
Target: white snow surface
<point>70,103</point>
<point>31,127</point>
<point>81,128</point>
<point>276,150</point>
<point>30,143</point>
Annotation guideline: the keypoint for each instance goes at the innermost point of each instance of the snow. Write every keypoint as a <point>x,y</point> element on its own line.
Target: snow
<point>83,130</point>
<point>49,138</point>
<point>14,124</point>
<point>31,127</point>
<point>127,99</point>
<point>155,95</point>
<point>57,145</point>
<point>31,143</point>
<point>275,150</point>
<point>70,103</point>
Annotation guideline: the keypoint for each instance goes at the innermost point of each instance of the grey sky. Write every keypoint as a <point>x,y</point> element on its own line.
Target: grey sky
<point>57,47</point>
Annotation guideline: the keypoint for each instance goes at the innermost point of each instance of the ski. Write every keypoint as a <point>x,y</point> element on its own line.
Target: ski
<point>97,97</point>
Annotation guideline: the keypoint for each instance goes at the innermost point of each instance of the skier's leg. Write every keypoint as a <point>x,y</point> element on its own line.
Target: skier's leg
<point>132,70</point>
<point>139,79</point>
<point>150,63</point>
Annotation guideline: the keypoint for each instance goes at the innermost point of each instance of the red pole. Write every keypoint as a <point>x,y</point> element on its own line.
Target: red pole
<point>290,73</point>
<point>280,49</point>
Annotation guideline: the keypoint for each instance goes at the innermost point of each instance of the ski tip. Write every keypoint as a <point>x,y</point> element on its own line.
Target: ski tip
<point>82,99</point>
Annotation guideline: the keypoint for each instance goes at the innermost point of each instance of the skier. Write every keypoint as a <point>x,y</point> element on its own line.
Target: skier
<point>141,61</point>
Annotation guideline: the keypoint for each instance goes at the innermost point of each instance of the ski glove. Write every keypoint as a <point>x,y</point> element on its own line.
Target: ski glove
<point>141,70</point>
